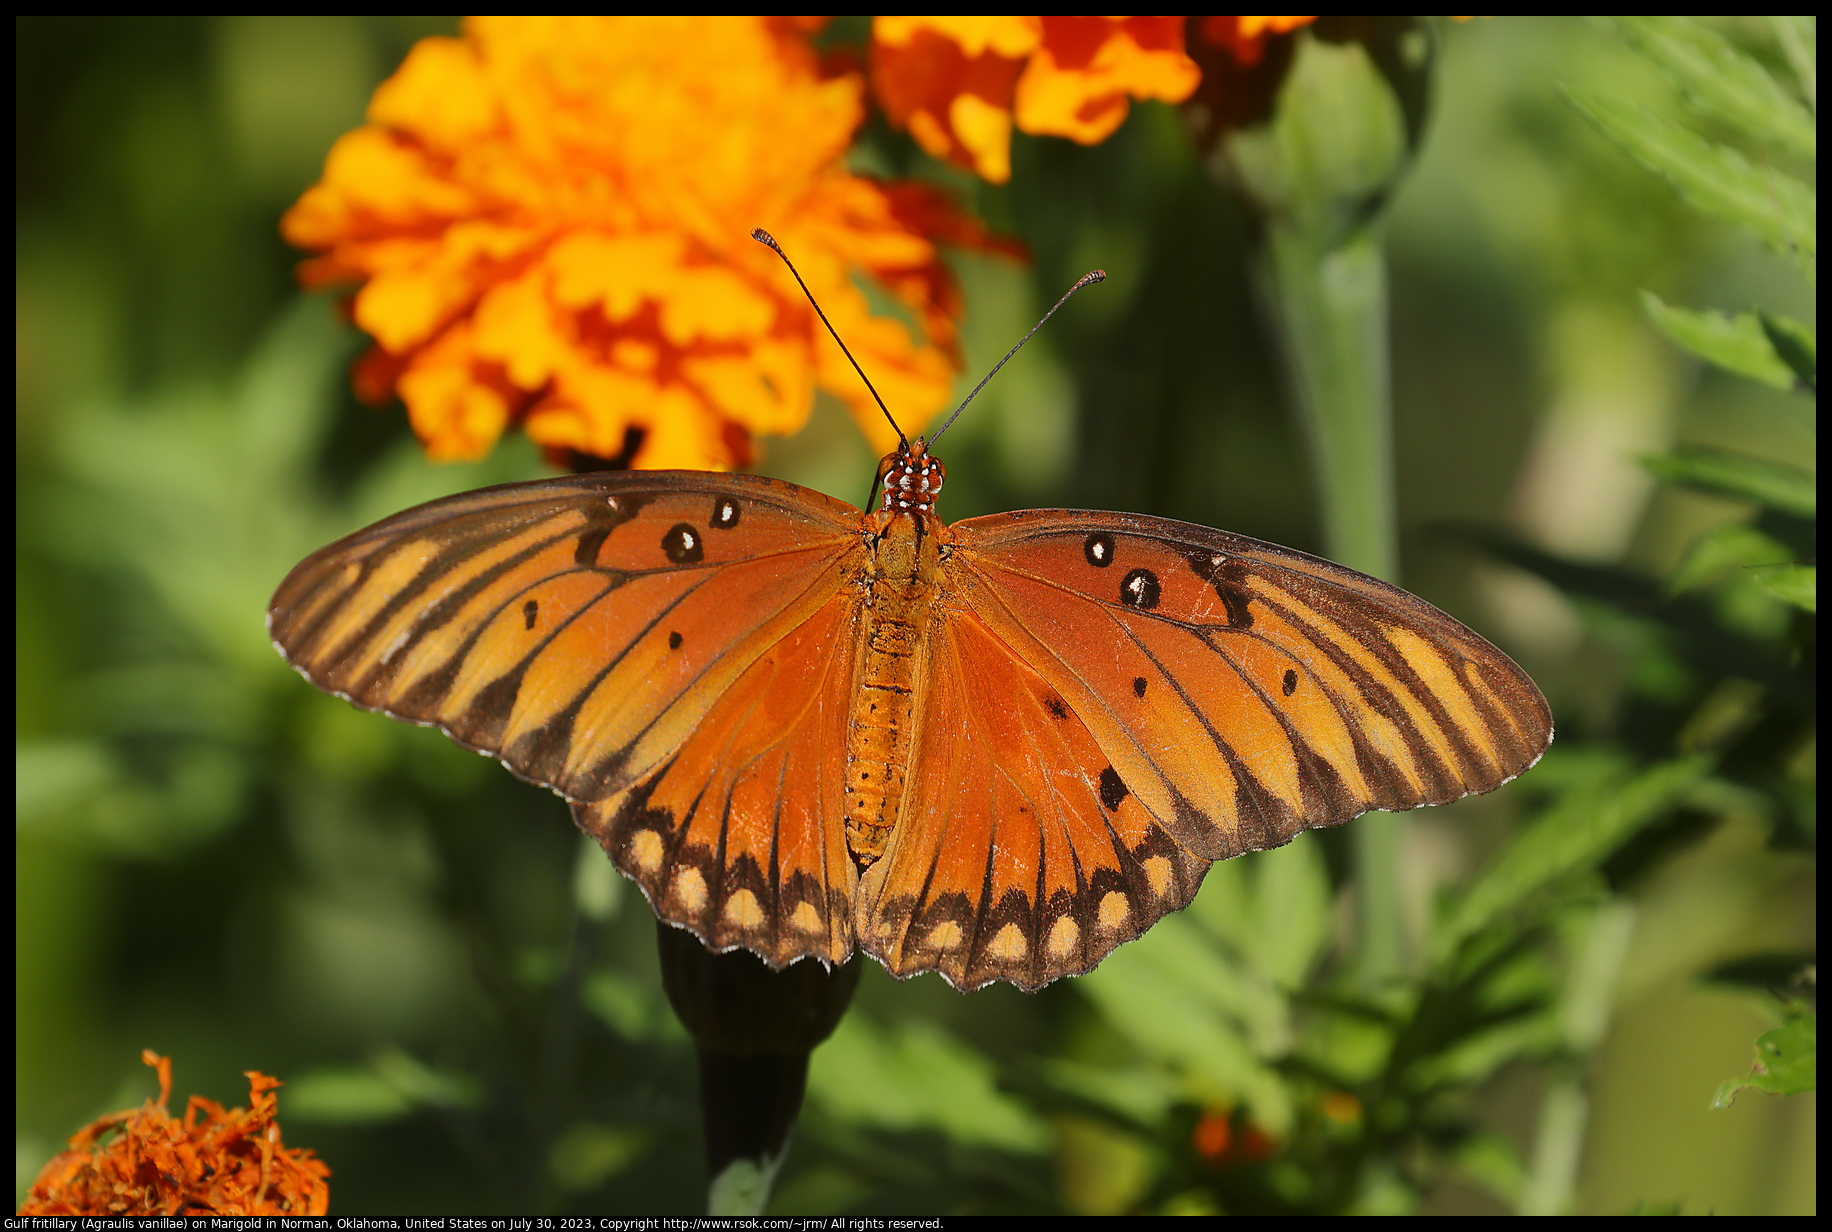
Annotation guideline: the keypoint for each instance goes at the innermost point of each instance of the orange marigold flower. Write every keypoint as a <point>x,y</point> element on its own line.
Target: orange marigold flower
<point>1226,1139</point>
<point>216,1161</point>
<point>959,83</point>
<point>550,221</point>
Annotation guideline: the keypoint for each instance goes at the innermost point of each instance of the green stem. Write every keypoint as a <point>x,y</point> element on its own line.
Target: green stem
<point>1328,303</point>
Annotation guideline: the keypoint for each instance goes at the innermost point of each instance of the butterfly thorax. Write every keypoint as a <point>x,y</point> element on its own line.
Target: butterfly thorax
<point>904,540</point>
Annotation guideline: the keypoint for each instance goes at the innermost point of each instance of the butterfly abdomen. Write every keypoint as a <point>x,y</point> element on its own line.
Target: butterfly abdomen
<point>905,562</point>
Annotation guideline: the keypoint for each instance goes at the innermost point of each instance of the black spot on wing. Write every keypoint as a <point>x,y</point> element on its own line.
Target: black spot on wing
<point>724,513</point>
<point>1112,792</point>
<point>682,545</point>
<point>1138,686</point>
<point>1141,590</point>
<point>601,518</point>
<point>674,640</point>
<point>1290,683</point>
<point>1228,576</point>
<point>530,610</point>
<point>1098,548</point>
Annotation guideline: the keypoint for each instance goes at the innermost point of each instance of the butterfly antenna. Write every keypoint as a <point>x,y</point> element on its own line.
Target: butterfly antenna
<point>765,238</point>
<point>1092,276</point>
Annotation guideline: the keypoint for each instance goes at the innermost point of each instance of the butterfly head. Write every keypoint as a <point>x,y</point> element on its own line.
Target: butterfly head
<point>911,479</point>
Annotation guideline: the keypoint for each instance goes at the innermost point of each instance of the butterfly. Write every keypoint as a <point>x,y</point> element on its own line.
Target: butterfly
<point>995,749</point>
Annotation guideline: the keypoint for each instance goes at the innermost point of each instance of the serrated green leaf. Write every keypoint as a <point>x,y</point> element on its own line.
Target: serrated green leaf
<point>1729,474</point>
<point>1580,832</point>
<point>1735,342</point>
<point>1797,346</point>
<point>1795,584</point>
<point>1723,82</point>
<point>1715,178</point>
<point>1787,1062</point>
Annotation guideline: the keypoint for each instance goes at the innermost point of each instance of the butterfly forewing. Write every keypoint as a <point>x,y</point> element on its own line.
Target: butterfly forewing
<point>577,628</point>
<point>1243,691</point>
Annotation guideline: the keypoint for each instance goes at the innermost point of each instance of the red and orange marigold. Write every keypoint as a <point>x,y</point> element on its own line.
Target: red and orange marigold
<point>549,221</point>
<point>216,1161</point>
<point>959,84</point>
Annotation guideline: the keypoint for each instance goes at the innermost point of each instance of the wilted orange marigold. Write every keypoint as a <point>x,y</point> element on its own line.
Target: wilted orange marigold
<point>960,83</point>
<point>550,218</point>
<point>216,1161</point>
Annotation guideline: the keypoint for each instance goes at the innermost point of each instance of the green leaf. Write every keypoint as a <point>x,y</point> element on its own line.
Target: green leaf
<point>1797,346</point>
<point>1795,584</point>
<point>917,1076</point>
<point>392,1085</point>
<point>1787,1062</point>
<point>1715,178</point>
<point>1798,36</point>
<point>1737,546</point>
<point>1581,831</point>
<point>1722,81</point>
<point>1737,343</point>
<point>1722,473</point>
<point>1491,1161</point>
<point>1784,974</point>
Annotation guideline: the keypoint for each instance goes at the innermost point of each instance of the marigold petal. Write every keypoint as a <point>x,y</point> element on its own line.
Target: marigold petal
<point>517,325</point>
<point>457,415</point>
<point>742,391</point>
<point>374,178</point>
<point>590,409</point>
<point>1011,37</point>
<point>402,308</point>
<point>440,94</point>
<point>690,438</point>
<point>1078,83</point>
<point>984,131</point>
<point>710,302</point>
<point>419,285</point>
<point>215,1162</point>
<point>1253,27</point>
<point>618,273</point>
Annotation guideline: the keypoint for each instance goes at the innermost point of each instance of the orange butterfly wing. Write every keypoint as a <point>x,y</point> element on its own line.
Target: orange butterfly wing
<point>1016,857</point>
<point>669,650</point>
<point>1114,701</point>
<point>1104,704</point>
<point>739,835</point>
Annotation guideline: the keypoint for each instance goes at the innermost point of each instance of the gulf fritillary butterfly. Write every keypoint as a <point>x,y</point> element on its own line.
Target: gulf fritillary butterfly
<point>995,749</point>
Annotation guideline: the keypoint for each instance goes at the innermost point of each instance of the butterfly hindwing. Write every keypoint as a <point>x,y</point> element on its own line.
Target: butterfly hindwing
<point>738,834</point>
<point>1019,854</point>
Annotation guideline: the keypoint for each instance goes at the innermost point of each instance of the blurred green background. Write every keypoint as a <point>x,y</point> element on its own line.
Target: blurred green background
<point>220,863</point>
